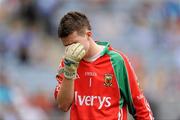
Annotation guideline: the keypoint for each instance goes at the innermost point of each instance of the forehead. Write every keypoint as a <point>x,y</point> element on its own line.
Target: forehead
<point>70,39</point>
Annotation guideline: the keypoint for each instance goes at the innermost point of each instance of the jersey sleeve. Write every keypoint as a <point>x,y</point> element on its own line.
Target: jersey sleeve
<point>137,103</point>
<point>59,78</point>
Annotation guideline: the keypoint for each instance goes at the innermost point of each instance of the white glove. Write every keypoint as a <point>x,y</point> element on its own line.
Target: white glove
<point>73,55</point>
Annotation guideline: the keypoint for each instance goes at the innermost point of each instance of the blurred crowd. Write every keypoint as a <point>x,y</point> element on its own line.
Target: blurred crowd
<point>147,31</point>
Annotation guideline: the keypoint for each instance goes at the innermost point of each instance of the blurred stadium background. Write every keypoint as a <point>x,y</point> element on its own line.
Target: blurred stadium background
<point>147,31</point>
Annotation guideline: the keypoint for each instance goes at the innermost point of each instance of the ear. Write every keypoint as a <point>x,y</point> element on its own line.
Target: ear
<point>89,33</point>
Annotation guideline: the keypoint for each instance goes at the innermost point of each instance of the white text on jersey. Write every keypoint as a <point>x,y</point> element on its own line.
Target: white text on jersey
<point>92,100</point>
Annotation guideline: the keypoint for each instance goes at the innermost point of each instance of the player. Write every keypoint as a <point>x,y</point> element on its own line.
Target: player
<point>95,81</point>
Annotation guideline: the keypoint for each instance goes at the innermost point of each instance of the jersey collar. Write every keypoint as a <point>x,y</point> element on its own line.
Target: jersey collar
<point>106,46</point>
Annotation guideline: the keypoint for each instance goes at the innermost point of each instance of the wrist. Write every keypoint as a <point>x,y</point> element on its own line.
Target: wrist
<point>70,75</point>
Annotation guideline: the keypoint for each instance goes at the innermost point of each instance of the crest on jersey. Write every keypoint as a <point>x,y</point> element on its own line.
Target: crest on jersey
<point>108,80</point>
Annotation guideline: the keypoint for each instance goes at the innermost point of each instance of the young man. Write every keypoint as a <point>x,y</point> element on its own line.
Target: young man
<point>94,81</point>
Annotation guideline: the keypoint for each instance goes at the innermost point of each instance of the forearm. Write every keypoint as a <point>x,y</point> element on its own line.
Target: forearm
<point>66,94</point>
<point>73,54</point>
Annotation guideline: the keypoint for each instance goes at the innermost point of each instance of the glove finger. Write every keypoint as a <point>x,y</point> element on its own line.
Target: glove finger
<point>70,48</point>
<point>80,53</point>
<point>75,52</point>
<point>76,48</point>
<point>66,49</point>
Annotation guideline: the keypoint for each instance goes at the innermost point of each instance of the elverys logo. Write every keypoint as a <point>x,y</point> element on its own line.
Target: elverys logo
<point>94,101</point>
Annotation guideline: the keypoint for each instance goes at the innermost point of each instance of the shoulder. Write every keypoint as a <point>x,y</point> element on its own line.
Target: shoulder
<point>120,59</point>
<point>116,55</point>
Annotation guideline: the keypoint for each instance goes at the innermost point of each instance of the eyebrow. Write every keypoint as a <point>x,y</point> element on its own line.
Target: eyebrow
<point>66,45</point>
<point>70,44</point>
<point>65,42</point>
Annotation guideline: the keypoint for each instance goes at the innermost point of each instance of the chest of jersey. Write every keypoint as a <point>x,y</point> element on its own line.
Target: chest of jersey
<point>96,88</point>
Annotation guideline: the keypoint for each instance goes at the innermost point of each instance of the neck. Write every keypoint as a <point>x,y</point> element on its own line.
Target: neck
<point>93,49</point>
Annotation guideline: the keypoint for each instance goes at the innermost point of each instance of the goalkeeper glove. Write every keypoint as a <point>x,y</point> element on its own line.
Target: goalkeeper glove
<point>73,55</point>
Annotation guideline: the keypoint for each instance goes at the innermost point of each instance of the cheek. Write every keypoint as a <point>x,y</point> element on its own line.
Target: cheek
<point>86,46</point>
<point>85,43</point>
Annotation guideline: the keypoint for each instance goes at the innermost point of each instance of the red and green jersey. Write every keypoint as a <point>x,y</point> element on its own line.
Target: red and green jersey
<point>106,89</point>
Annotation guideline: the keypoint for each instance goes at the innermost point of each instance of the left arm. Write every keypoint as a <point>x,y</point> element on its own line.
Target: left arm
<point>137,103</point>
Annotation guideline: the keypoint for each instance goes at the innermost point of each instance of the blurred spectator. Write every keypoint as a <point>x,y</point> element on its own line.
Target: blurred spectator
<point>46,10</point>
<point>5,90</point>
<point>22,105</point>
<point>141,31</point>
<point>40,99</point>
<point>28,12</point>
<point>7,110</point>
<point>172,10</point>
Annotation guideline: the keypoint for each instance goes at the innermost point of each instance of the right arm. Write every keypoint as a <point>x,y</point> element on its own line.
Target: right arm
<point>64,92</point>
<point>65,95</point>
